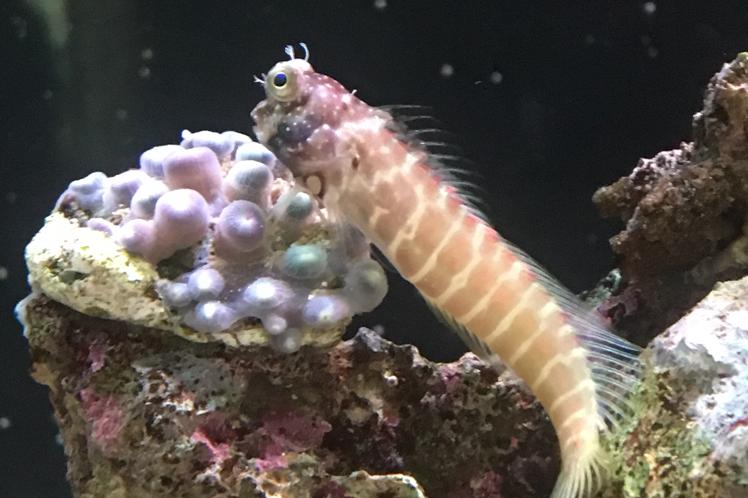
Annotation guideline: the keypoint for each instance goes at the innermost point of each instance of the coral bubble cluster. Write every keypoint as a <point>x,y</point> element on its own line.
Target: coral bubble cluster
<point>239,240</point>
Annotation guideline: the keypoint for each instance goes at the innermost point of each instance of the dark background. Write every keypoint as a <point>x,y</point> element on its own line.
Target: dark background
<point>586,89</point>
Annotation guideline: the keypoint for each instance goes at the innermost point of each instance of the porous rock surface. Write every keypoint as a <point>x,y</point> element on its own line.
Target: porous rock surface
<point>690,435</point>
<point>144,413</point>
<point>686,213</point>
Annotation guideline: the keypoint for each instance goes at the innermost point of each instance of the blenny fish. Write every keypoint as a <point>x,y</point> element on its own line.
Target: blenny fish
<point>354,158</point>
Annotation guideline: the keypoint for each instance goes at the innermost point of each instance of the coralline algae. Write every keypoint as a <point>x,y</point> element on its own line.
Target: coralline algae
<point>148,415</point>
<point>216,227</point>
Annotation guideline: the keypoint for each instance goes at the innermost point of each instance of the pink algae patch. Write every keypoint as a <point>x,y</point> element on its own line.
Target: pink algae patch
<point>451,377</point>
<point>104,415</point>
<point>293,431</point>
<point>487,485</point>
<point>96,356</point>
<point>271,462</point>
<point>218,451</point>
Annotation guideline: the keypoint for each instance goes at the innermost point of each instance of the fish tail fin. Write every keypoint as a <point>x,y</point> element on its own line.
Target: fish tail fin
<point>582,473</point>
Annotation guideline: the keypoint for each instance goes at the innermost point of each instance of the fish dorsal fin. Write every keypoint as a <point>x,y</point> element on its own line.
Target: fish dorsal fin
<point>476,346</point>
<point>415,126</point>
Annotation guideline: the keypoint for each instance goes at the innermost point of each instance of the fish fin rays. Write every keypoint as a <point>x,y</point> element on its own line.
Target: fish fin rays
<point>415,126</point>
<point>583,476</point>
<point>477,346</point>
<point>614,362</point>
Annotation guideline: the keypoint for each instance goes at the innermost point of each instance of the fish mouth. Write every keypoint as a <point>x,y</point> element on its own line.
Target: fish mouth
<point>262,116</point>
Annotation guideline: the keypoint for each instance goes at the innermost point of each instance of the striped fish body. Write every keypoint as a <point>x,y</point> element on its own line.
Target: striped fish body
<point>462,267</point>
<point>502,303</point>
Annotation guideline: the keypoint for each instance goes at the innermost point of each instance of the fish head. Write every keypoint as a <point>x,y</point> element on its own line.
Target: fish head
<point>303,115</point>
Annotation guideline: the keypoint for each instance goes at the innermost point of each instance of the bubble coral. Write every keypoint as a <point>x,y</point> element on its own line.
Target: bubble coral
<point>255,151</point>
<point>304,262</point>
<point>326,310</point>
<point>175,294</point>
<point>210,316</point>
<point>299,207</point>
<point>197,169</point>
<point>180,220</point>
<point>222,145</point>
<point>143,202</point>
<point>236,139</point>
<point>205,283</point>
<point>152,160</point>
<point>89,191</point>
<point>266,294</point>
<point>240,230</point>
<point>249,180</point>
<point>257,249</point>
<point>365,285</point>
<point>122,187</point>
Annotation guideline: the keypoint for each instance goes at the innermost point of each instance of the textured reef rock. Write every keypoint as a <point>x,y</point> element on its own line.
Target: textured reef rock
<point>690,435</point>
<point>144,413</point>
<point>686,214</point>
<point>155,397</point>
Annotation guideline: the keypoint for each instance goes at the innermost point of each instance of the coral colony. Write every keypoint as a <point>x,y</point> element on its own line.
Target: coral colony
<point>256,246</point>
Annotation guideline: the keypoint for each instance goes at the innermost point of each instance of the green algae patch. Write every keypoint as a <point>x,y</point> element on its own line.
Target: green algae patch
<point>659,452</point>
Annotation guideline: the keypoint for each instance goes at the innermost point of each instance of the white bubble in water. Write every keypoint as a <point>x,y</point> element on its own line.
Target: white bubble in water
<point>21,27</point>
<point>3,273</point>
<point>652,52</point>
<point>496,77</point>
<point>649,8</point>
<point>380,4</point>
<point>146,54</point>
<point>5,423</point>
<point>447,70</point>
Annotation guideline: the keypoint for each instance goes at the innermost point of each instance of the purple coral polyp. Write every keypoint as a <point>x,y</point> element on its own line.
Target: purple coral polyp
<point>261,249</point>
<point>197,169</point>
<point>152,160</point>
<point>240,229</point>
<point>180,220</point>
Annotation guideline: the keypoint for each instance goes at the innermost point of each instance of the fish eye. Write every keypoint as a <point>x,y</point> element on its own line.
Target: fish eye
<point>280,80</point>
<point>282,84</point>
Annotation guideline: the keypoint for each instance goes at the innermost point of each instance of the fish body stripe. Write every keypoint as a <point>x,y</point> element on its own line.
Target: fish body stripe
<point>480,305</point>
<point>466,269</point>
<point>585,385</point>
<point>461,279</point>
<point>506,321</point>
<point>429,264</point>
